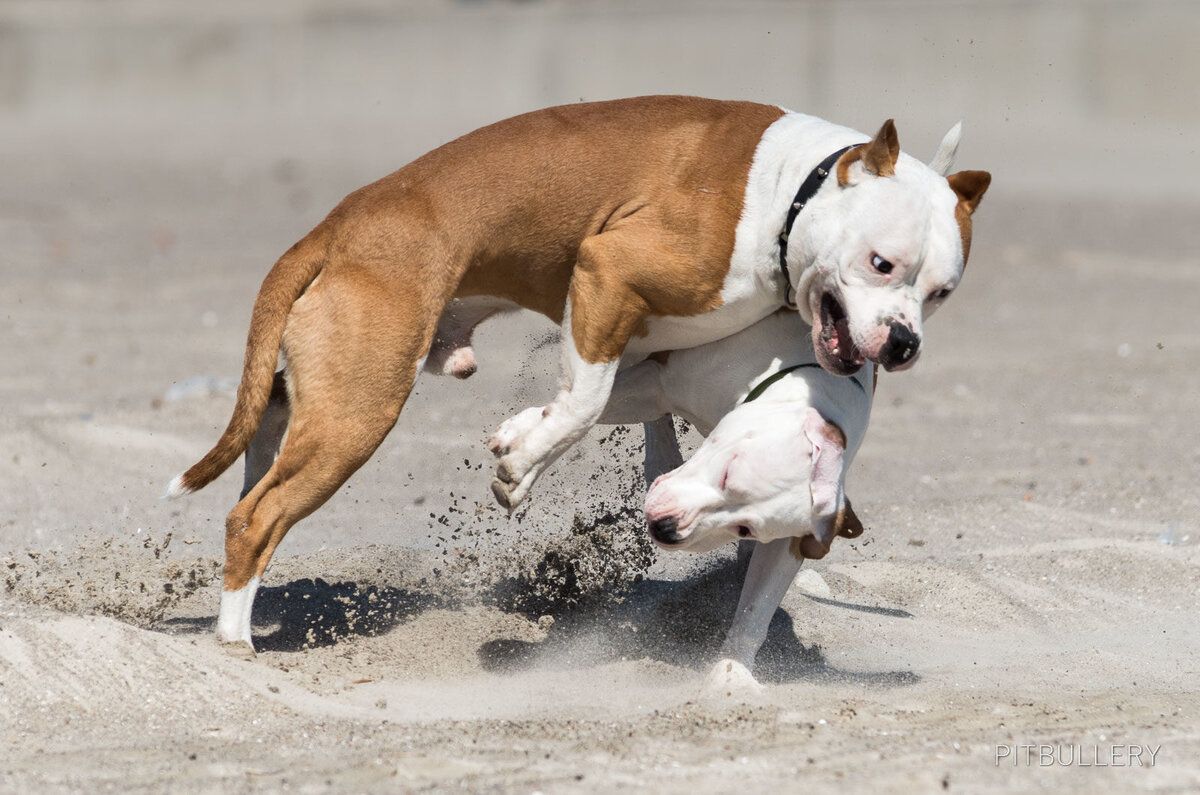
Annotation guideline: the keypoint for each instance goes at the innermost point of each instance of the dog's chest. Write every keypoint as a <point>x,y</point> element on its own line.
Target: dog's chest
<point>744,303</point>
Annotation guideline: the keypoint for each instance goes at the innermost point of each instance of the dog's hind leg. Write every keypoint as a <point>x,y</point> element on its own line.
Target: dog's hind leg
<point>662,448</point>
<point>349,379</point>
<point>267,439</point>
<point>451,353</point>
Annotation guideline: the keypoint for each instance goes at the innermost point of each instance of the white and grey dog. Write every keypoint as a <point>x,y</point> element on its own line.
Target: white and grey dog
<point>781,433</point>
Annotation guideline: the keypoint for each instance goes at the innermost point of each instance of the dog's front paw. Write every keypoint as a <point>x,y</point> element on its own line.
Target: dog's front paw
<point>512,482</point>
<point>729,678</point>
<point>508,436</point>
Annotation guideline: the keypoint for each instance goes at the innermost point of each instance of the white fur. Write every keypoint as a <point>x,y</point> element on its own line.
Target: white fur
<point>772,569</point>
<point>762,451</point>
<point>790,148</point>
<point>176,489</point>
<point>233,619</point>
<point>451,352</point>
<point>772,437</point>
<point>908,219</point>
<point>730,677</point>
<point>533,441</point>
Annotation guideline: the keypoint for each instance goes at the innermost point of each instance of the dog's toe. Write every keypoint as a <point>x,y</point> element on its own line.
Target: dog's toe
<point>500,490</point>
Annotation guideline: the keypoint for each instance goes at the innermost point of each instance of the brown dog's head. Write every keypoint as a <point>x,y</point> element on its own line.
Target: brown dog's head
<point>887,245</point>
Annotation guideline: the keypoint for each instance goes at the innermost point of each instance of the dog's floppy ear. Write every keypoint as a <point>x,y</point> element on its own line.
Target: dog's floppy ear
<point>943,159</point>
<point>814,547</point>
<point>848,524</point>
<point>878,158</point>
<point>970,187</point>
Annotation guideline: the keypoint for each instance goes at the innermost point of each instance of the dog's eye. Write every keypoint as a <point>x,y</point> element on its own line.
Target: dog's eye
<point>941,294</point>
<point>880,264</point>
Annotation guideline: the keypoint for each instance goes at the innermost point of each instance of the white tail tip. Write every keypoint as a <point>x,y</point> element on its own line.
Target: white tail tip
<point>177,489</point>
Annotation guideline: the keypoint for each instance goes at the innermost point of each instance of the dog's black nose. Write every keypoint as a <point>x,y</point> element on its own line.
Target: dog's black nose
<point>665,530</point>
<point>901,347</point>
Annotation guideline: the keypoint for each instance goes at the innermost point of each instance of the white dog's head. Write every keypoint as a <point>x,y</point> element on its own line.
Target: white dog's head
<point>767,471</point>
<point>885,246</point>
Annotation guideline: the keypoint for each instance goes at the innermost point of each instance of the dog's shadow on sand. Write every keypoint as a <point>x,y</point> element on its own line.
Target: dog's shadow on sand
<point>312,613</point>
<point>681,623</point>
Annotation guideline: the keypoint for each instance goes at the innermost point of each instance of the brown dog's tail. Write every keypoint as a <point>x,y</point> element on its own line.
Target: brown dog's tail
<point>288,279</point>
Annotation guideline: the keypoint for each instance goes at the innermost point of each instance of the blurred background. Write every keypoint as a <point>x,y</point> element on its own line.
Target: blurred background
<point>1061,96</point>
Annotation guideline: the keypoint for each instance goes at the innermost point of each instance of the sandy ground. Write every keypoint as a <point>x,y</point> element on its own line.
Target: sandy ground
<point>1029,575</point>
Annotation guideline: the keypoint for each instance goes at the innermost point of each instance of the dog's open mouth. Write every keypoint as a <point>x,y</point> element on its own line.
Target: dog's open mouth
<point>831,337</point>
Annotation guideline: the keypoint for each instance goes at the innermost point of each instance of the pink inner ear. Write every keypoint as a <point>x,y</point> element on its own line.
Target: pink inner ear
<point>825,481</point>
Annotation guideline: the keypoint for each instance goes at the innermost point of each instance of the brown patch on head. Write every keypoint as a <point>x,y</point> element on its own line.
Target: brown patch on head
<point>847,524</point>
<point>878,157</point>
<point>969,186</point>
<point>809,547</point>
<point>835,434</point>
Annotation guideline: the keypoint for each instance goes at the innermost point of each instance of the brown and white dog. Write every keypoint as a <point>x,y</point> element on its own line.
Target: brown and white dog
<point>641,225</point>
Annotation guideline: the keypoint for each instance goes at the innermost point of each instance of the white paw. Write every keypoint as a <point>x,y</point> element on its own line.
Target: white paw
<point>461,363</point>
<point>508,436</point>
<point>731,678</point>
<point>514,478</point>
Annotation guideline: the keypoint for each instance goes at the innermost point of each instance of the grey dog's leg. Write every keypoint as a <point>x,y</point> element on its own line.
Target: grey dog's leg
<point>267,439</point>
<point>637,396</point>
<point>662,448</point>
<point>772,568</point>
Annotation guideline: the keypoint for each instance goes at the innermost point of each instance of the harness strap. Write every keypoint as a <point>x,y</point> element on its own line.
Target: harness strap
<point>770,380</point>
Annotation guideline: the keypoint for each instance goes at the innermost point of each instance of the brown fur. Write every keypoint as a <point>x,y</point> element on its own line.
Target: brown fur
<point>878,157</point>
<point>809,547</point>
<point>969,187</point>
<point>629,207</point>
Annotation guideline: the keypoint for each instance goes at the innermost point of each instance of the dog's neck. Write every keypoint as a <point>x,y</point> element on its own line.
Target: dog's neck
<point>808,188</point>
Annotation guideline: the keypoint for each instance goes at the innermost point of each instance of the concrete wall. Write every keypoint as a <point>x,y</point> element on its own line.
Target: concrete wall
<point>1068,97</point>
